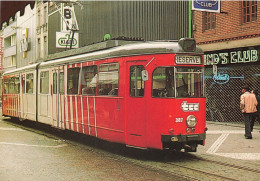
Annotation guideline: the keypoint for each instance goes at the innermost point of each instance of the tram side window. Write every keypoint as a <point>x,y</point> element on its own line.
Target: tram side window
<point>11,85</point>
<point>44,82</point>
<point>61,82</point>
<point>23,83</point>
<point>6,86</point>
<point>73,80</point>
<point>29,83</point>
<point>163,82</point>
<point>17,85</point>
<point>54,88</point>
<point>108,79</point>
<point>136,82</point>
<point>89,80</point>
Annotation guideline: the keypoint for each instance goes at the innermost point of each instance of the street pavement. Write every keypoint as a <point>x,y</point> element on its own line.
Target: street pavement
<point>227,140</point>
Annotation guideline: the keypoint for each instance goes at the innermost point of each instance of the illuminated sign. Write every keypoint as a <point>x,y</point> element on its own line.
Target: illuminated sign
<point>232,57</point>
<point>221,78</point>
<point>182,59</point>
<point>204,5</point>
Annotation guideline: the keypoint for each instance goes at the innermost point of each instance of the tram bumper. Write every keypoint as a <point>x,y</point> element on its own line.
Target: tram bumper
<point>181,141</point>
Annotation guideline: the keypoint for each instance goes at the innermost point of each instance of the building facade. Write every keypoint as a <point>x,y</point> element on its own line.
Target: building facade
<point>231,42</point>
<point>19,40</point>
<point>99,20</point>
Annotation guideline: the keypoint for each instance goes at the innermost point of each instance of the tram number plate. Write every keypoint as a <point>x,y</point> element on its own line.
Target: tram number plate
<point>179,120</point>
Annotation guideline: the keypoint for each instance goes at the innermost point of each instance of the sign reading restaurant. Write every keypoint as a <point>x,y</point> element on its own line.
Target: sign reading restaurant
<point>204,5</point>
<point>233,56</point>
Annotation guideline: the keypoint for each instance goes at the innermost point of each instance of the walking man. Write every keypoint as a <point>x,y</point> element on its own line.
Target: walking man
<point>248,105</point>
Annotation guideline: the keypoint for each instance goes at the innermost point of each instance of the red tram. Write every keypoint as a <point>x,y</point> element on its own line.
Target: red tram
<point>144,95</point>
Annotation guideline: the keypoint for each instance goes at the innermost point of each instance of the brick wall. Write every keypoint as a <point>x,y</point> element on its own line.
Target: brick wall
<point>229,25</point>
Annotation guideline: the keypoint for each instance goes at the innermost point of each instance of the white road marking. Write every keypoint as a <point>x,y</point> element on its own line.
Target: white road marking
<point>42,146</point>
<point>224,134</point>
<point>213,149</point>
<point>11,129</point>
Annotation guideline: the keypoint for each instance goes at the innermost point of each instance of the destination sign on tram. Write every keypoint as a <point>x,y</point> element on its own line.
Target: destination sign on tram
<point>184,59</point>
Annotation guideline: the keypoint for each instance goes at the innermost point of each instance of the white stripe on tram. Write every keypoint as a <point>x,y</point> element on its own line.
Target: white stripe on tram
<point>77,118</point>
<point>71,114</point>
<point>82,115</point>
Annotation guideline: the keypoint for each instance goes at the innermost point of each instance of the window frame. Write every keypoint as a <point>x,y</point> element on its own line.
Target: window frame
<point>26,81</point>
<point>45,90</point>
<point>209,21</point>
<point>76,91</point>
<point>247,14</point>
<point>84,71</point>
<point>110,70</point>
<point>142,83</point>
<point>163,91</point>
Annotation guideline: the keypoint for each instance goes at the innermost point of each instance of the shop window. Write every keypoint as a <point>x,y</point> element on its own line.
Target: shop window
<point>108,79</point>
<point>44,82</point>
<point>136,82</point>
<point>29,83</point>
<point>73,80</point>
<point>89,80</point>
<point>209,21</point>
<point>249,11</point>
<point>163,82</point>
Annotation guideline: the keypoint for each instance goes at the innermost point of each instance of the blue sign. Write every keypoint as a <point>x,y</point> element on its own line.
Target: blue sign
<point>203,5</point>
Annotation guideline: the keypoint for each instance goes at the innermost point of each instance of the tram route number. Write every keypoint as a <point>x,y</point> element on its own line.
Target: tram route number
<point>182,59</point>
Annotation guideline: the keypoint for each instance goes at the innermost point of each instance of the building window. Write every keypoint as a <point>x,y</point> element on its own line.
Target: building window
<point>38,48</point>
<point>209,21</point>
<point>10,41</point>
<point>249,11</point>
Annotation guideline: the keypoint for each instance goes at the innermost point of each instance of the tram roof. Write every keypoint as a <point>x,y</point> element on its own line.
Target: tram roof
<point>108,49</point>
<point>121,50</point>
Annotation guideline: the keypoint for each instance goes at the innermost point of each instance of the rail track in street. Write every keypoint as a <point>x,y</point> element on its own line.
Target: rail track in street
<point>178,165</point>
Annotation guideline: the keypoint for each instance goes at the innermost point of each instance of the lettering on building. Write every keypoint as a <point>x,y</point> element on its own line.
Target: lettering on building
<point>232,57</point>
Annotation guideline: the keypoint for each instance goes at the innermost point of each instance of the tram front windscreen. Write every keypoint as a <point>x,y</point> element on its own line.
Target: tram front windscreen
<point>178,82</point>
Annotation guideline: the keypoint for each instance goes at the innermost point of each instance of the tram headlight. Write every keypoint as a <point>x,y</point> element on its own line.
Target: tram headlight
<point>191,121</point>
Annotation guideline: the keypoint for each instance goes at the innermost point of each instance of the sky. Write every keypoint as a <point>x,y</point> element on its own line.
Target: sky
<point>9,8</point>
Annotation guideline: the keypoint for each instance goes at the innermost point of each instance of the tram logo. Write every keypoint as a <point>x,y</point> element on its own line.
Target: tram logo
<point>187,107</point>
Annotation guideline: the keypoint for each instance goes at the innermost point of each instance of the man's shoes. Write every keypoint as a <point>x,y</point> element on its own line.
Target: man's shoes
<point>248,137</point>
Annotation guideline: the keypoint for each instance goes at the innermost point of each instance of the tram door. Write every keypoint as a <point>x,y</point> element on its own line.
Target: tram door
<point>58,99</point>
<point>136,106</point>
